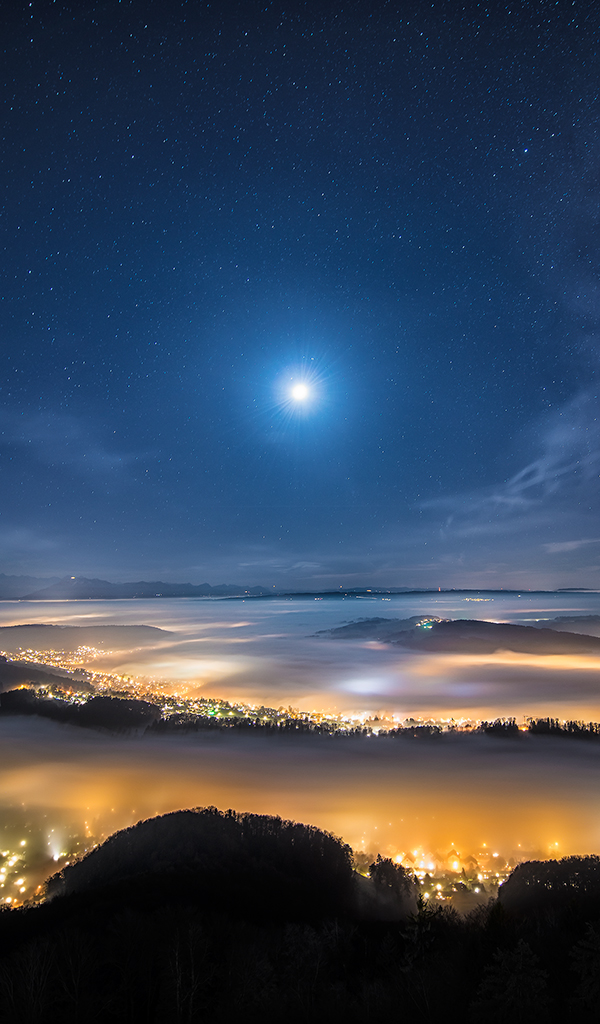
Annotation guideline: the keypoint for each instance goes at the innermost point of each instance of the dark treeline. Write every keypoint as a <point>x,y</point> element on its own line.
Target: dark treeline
<point>113,713</point>
<point>543,727</point>
<point>196,723</point>
<point>222,917</point>
<point>500,727</point>
<point>575,730</point>
<point>121,713</point>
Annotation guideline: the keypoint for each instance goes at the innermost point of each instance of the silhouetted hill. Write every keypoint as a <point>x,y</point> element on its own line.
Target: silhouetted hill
<point>243,863</point>
<point>49,637</point>
<point>114,713</point>
<point>78,588</point>
<point>23,673</point>
<point>551,886</point>
<point>221,917</point>
<point>575,623</point>
<point>465,636</point>
<point>375,628</point>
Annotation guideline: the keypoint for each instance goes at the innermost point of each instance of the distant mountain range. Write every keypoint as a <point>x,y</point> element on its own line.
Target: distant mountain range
<point>14,587</point>
<point>78,588</point>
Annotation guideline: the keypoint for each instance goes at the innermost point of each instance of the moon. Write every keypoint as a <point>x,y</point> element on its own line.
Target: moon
<point>300,392</point>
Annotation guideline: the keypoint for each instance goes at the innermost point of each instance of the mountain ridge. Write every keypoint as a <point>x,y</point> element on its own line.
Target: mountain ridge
<point>81,588</point>
<point>78,588</point>
<point>465,636</point>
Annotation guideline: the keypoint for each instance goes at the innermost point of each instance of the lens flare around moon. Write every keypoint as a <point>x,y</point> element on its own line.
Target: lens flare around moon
<point>300,392</point>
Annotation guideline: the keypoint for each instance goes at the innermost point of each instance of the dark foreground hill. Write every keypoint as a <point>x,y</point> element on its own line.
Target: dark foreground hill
<point>222,917</point>
<point>465,636</point>
<point>543,887</point>
<point>251,864</point>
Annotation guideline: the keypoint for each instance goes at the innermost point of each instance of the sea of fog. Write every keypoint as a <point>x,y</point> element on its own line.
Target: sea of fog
<point>531,795</point>
<point>266,651</point>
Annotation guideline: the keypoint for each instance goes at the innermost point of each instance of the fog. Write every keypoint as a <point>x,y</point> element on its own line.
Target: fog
<point>266,652</point>
<point>379,793</point>
<point>532,794</point>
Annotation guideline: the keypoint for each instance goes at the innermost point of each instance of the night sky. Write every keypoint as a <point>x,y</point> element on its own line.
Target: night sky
<point>396,205</point>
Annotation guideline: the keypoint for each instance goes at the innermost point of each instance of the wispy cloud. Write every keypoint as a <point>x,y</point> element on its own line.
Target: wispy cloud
<point>60,440</point>
<point>569,461</point>
<point>18,540</point>
<point>569,545</point>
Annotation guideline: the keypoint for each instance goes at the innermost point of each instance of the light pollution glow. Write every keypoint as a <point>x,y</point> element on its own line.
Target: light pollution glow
<point>378,794</point>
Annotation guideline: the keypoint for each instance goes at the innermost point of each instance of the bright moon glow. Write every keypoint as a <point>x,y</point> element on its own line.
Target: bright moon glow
<point>300,392</point>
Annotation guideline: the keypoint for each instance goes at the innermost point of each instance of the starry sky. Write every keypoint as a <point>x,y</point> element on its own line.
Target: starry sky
<point>206,204</point>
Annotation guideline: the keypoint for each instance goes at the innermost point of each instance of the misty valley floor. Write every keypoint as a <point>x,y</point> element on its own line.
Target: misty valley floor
<point>417,800</point>
<point>533,793</point>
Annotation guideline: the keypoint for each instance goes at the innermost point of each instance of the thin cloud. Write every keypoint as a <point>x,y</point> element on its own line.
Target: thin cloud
<point>569,545</point>
<point>569,461</point>
<point>60,441</point>
<point>19,540</point>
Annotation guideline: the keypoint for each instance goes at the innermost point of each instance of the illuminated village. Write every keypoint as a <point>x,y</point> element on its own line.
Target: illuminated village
<point>462,879</point>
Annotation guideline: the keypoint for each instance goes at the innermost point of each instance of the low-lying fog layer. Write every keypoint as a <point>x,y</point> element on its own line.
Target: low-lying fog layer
<point>266,652</point>
<point>531,793</point>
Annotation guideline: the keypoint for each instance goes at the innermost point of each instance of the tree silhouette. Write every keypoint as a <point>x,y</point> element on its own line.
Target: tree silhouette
<point>513,990</point>
<point>539,885</point>
<point>259,864</point>
<point>586,962</point>
<point>394,877</point>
